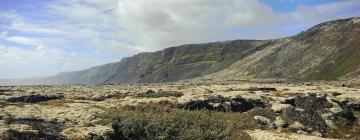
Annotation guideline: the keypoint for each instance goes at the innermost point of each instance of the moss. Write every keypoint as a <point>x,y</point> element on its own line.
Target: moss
<point>59,102</point>
<point>345,130</point>
<point>158,94</point>
<point>103,122</point>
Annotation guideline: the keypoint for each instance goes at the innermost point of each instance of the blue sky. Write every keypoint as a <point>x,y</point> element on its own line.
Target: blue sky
<point>39,38</point>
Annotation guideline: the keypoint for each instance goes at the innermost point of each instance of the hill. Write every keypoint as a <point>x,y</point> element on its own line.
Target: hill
<point>328,51</point>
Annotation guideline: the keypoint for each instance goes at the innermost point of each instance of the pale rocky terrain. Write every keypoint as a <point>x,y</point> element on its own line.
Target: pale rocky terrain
<point>283,110</point>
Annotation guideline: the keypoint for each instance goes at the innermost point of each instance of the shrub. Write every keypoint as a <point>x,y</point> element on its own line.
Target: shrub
<point>151,121</point>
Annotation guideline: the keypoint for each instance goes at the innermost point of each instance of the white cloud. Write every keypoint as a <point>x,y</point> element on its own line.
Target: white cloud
<point>41,61</point>
<point>148,25</point>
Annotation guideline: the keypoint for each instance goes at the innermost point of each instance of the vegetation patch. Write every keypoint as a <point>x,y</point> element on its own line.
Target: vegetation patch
<point>58,102</point>
<point>165,121</point>
<point>46,130</point>
<point>345,130</point>
<point>158,94</point>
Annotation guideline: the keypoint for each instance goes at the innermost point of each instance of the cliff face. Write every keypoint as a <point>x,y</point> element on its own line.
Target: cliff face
<point>328,51</point>
<point>183,62</point>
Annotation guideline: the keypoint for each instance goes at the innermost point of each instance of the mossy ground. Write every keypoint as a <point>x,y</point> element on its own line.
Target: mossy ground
<point>158,94</point>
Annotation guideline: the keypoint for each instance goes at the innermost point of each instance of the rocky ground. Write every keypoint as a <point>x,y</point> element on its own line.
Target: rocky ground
<point>260,110</point>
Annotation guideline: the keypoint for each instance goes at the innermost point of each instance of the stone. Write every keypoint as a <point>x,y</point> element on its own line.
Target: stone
<point>310,102</point>
<point>297,126</point>
<point>310,119</point>
<point>265,112</point>
<point>329,119</point>
<point>280,123</point>
<point>220,103</point>
<point>265,122</point>
<point>280,107</point>
<point>33,98</point>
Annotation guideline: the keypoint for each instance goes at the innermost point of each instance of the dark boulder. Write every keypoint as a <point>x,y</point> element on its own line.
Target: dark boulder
<point>33,98</point>
<point>354,106</point>
<point>220,103</point>
<point>308,118</point>
<point>310,102</point>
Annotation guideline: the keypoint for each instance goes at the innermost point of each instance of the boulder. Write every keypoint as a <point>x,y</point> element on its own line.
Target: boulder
<point>33,98</point>
<point>310,102</point>
<point>220,103</point>
<point>310,119</point>
<point>297,127</point>
<point>280,107</point>
<point>280,123</point>
<point>265,122</point>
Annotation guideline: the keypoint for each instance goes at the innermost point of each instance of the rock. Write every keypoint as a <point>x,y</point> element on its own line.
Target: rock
<point>220,103</point>
<point>265,122</point>
<point>252,89</point>
<point>272,135</point>
<point>329,119</point>
<point>317,134</point>
<point>355,106</point>
<point>290,101</point>
<point>33,98</point>
<point>297,127</point>
<point>310,102</point>
<point>280,107</point>
<point>339,109</point>
<point>98,97</point>
<point>310,119</point>
<point>280,123</point>
<point>265,112</point>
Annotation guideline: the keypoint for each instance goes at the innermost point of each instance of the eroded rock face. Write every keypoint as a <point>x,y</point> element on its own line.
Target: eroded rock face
<point>219,103</point>
<point>33,98</point>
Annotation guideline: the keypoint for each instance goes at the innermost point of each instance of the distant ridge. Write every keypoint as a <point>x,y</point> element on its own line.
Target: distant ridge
<point>328,51</point>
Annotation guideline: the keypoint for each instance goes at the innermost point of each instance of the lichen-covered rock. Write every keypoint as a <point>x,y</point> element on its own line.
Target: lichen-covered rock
<point>280,123</point>
<point>280,107</point>
<point>329,119</point>
<point>297,127</point>
<point>265,122</point>
<point>264,112</point>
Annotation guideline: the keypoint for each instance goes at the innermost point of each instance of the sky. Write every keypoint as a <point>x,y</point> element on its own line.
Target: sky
<point>45,37</point>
